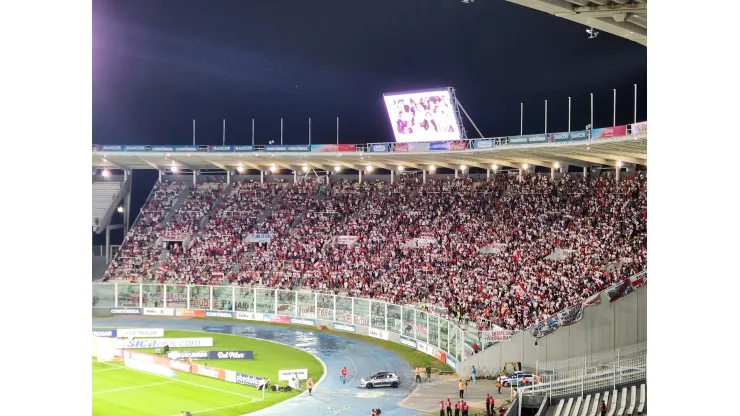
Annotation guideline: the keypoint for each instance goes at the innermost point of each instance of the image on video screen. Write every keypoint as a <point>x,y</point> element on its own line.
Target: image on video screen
<point>422,116</point>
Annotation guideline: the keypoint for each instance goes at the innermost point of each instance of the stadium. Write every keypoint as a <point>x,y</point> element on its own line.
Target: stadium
<point>509,269</point>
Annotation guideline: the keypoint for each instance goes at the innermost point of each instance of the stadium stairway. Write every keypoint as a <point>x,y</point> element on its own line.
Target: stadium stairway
<point>625,401</point>
<point>180,200</point>
<point>275,201</point>
<point>214,207</point>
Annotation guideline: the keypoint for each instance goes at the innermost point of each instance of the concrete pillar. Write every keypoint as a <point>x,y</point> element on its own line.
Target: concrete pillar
<point>295,177</point>
<point>520,175</point>
<point>552,173</point>
<point>488,173</point>
<point>617,172</point>
<point>160,176</point>
<point>195,176</point>
<point>228,177</point>
<point>359,172</point>
<point>424,176</point>
<point>392,175</point>
<point>262,176</point>
<point>455,173</point>
<point>585,172</point>
<point>127,210</point>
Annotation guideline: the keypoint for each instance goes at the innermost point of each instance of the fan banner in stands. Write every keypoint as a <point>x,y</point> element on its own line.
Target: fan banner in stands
<point>302,321</point>
<point>125,311</point>
<point>608,132</point>
<point>528,139</point>
<point>484,144</point>
<point>276,319</point>
<point>378,148</point>
<point>332,148</point>
<point>570,316</point>
<point>249,316</point>
<point>409,342</point>
<point>345,240</point>
<point>592,300</point>
<point>626,287</point>
<point>568,137</point>
<point>639,128</point>
<point>496,336</point>
<point>288,148</point>
<point>448,146</point>
<point>259,238</point>
<point>546,327</point>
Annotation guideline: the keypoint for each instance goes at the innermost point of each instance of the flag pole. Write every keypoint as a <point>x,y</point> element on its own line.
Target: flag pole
<point>337,131</point>
<point>223,133</point>
<point>614,109</point>
<point>281,131</point>
<point>634,107</point>
<point>521,119</point>
<point>568,114</point>
<point>309,131</point>
<point>252,132</point>
<point>545,116</point>
<point>193,132</point>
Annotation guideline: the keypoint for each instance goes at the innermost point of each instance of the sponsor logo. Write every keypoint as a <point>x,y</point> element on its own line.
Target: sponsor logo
<point>409,342</point>
<point>425,348</point>
<point>243,148</point>
<point>217,314</point>
<point>561,136</point>
<point>125,311</point>
<point>301,321</point>
<point>181,355</point>
<point>111,148</point>
<point>378,148</point>
<point>159,311</point>
<point>104,333</point>
<point>222,148</point>
<point>376,333</point>
<point>231,355</point>
<point>247,380</point>
<point>163,149</point>
<point>185,149</point>
<point>484,144</point>
<point>161,342</point>
<point>136,148</point>
<point>537,139</point>
<point>452,362</point>
<point>207,371</point>
<point>287,375</point>
<point>180,366</point>
<point>141,332</point>
<point>344,327</point>
<point>440,355</point>
<point>517,140</point>
<point>458,146</point>
<point>249,316</point>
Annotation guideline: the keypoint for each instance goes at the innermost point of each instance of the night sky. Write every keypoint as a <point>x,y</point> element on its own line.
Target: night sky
<point>159,64</point>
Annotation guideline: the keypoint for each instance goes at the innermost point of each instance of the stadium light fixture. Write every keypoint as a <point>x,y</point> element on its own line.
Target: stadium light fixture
<point>525,166</point>
<point>240,169</point>
<point>304,168</point>
<point>463,167</point>
<point>174,169</point>
<point>556,165</point>
<point>494,166</point>
<point>369,168</point>
<point>337,168</point>
<point>273,169</point>
<point>120,210</point>
<point>400,168</point>
<point>106,173</point>
<point>432,168</point>
<point>619,163</point>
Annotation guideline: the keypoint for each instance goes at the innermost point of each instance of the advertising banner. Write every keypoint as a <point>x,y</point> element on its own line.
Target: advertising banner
<point>378,148</point>
<point>218,314</point>
<point>276,319</point>
<point>184,355</point>
<point>230,355</point>
<point>608,132</point>
<point>243,148</point>
<point>249,316</point>
<point>344,327</point>
<point>411,147</point>
<point>639,128</point>
<point>148,367</point>
<point>484,144</point>
<point>125,311</point>
<point>332,148</point>
<point>243,379</point>
<point>302,321</point>
<point>191,313</point>
<point>141,332</point>
<point>448,146</point>
<point>287,375</point>
<point>452,362</point>
<point>161,342</point>
<point>376,333</point>
<point>159,311</point>
<point>222,148</point>
<point>425,348</point>
<point>203,370</point>
<point>288,148</point>
<point>496,336</point>
<point>104,333</point>
<point>528,139</point>
<point>409,342</point>
<point>440,355</point>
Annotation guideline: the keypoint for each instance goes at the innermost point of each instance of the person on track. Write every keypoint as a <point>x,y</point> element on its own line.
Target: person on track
<point>461,387</point>
<point>417,371</point>
<point>442,408</point>
<point>309,385</point>
<point>474,372</point>
<point>449,407</point>
<point>457,408</point>
<point>343,377</point>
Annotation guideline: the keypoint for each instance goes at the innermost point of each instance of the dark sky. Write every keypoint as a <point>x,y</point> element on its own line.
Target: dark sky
<point>159,64</point>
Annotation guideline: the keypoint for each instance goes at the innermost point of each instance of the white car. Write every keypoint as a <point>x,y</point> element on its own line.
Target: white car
<point>515,378</point>
<point>382,379</point>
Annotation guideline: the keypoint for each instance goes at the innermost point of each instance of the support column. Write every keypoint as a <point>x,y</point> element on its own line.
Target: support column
<point>520,175</point>
<point>262,176</point>
<point>228,177</point>
<point>552,173</point>
<point>127,209</point>
<point>295,177</point>
<point>585,172</point>
<point>392,175</point>
<point>455,173</point>
<point>160,176</point>
<point>424,176</point>
<point>488,173</point>
<point>195,176</point>
<point>617,172</point>
<point>107,245</point>
<point>359,172</point>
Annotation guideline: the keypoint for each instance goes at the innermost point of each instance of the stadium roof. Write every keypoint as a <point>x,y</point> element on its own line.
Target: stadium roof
<point>585,153</point>
<point>624,18</point>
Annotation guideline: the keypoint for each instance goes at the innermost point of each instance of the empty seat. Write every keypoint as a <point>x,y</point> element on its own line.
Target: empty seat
<point>568,406</point>
<point>559,409</point>
<point>643,399</point>
<point>595,405</point>
<point>622,402</point>
<point>586,402</point>
<point>577,406</point>
<point>633,399</point>
<point>613,406</point>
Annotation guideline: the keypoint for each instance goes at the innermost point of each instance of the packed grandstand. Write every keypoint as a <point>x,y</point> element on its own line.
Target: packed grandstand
<point>507,250</point>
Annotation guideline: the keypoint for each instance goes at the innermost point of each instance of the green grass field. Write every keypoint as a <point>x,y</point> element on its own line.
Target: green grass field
<point>121,391</point>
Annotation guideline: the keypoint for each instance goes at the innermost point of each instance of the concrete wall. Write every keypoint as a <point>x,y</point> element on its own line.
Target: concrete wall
<point>605,326</point>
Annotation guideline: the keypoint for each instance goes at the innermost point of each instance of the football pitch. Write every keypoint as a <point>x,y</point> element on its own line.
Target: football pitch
<point>118,390</point>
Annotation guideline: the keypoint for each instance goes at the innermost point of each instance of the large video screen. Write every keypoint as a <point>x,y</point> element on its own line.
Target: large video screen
<point>422,116</point>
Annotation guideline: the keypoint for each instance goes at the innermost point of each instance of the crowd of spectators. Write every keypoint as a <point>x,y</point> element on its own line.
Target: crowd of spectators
<point>191,213</point>
<point>502,251</point>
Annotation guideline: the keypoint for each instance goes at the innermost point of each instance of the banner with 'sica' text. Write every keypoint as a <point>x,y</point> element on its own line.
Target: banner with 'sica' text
<point>161,342</point>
